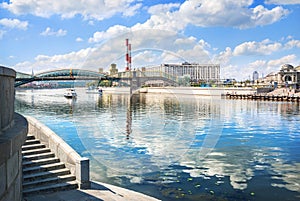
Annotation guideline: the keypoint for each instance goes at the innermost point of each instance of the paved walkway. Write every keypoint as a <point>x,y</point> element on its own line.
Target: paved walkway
<point>98,192</point>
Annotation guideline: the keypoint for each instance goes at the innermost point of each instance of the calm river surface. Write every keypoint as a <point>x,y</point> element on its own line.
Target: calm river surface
<point>179,147</point>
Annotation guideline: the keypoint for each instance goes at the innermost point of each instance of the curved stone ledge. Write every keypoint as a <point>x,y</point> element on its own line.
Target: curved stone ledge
<point>7,72</point>
<point>11,141</point>
<point>7,91</point>
<point>79,166</point>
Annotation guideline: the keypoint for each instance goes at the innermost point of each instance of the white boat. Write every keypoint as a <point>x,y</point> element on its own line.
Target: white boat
<point>70,93</point>
<point>95,91</point>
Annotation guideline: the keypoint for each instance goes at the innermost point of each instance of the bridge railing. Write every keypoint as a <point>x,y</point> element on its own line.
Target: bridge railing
<point>61,74</point>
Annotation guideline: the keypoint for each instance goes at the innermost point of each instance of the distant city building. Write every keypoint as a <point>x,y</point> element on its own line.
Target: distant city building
<point>255,76</point>
<point>288,75</point>
<point>100,70</point>
<point>197,72</point>
<point>113,69</point>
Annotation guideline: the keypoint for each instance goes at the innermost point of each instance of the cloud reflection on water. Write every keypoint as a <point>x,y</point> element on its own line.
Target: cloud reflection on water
<point>256,136</point>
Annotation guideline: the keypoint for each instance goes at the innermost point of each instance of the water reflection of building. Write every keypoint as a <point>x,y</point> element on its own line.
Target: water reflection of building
<point>157,125</point>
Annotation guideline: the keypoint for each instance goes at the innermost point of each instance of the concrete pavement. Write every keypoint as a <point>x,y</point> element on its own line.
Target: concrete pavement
<point>98,192</point>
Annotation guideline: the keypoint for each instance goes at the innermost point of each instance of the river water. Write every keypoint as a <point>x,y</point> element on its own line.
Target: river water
<point>176,147</point>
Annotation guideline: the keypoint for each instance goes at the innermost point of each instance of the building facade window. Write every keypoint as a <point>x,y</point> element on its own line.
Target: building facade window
<point>197,72</point>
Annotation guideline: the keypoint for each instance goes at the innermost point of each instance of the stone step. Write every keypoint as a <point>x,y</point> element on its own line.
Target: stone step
<point>34,141</point>
<point>48,181</point>
<point>43,168</point>
<point>42,171</point>
<point>38,156</point>
<point>44,161</point>
<point>44,175</point>
<point>32,146</point>
<point>51,188</point>
<point>36,151</point>
<point>30,137</point>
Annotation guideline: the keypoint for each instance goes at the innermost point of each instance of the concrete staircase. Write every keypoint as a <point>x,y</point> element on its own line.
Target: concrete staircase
<point>42,171</point>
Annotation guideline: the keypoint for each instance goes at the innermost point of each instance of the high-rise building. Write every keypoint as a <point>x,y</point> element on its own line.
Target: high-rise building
<point>255,76</point>
<point>113,69</point>
<point>100,70</point>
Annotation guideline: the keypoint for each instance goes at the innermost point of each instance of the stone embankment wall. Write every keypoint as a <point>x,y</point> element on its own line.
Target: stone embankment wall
<point>201,91</point>
<point>79,166</point>
<point>13,132</point>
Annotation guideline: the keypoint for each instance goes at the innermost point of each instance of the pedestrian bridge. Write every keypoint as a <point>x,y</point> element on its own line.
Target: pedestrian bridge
<point>139,78</point>
<point>136,77</point>
<point>60,74</point>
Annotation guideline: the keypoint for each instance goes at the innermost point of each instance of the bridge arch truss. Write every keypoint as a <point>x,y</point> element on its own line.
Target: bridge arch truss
<point>60,74</point>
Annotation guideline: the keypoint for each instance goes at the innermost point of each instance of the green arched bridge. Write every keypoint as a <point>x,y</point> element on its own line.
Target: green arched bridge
<point>138,77</point>
<point>61,74</point>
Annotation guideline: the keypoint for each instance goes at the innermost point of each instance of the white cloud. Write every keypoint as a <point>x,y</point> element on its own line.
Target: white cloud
<point>97,37</point>
<point>173,16</point>
<point>281,2</point>
<point>146,56</point>
<point>24,67</point>
<point>171,57</point>
<point>229,71</point>
<point>207,13</point>
<point>275,64</point>
<point>260,66</point>
<point>265,47</point>
<point>257,64</point>
<point>78,39</point>
<point>132,10</point>
<point>264,67</point>
<point>262,16</point>
<point>2,32</point>
<point>162,8</point>
<point>95,9</point>
<point>91,22</point>
<point>44,62</point>
<point>109,33</point>
<point>50,32</point>
<point>244,71</point>
<point>224,56</point>
<point>292,43</point>
<point>198,53</point>
<point>14,23</point>
<point>185,41</point>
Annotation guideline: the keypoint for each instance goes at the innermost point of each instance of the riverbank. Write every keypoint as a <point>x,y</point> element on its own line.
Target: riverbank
<point>201,91</point>
<point>290,98</point>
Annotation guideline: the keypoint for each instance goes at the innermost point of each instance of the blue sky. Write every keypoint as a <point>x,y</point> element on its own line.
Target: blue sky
<point>242,36</point>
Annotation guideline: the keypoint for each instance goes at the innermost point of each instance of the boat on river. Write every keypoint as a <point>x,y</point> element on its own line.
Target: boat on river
<point>70,93</point>
<point>94,91</point>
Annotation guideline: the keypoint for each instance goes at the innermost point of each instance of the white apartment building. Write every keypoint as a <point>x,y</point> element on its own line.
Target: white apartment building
<point>203,72</point>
